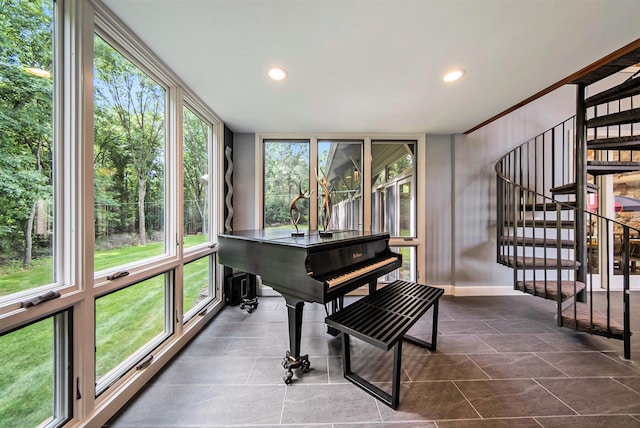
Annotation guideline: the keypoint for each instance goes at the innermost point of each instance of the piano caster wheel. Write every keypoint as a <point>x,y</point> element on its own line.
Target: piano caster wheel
<point>249,304</point>
<point>287,361</point>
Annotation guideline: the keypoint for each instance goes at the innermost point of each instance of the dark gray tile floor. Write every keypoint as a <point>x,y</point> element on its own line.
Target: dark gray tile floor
<point>500,362</point>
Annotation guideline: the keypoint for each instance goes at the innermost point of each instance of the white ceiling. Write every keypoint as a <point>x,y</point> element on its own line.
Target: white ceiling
<point>375,65</point>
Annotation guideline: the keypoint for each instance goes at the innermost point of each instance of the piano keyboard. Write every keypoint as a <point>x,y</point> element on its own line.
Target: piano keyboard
<point>332,282</point>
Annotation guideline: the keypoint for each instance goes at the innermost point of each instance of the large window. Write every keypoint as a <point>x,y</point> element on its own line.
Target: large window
<point>626,201</point>
<point>27,146</point>
<point>393,200</point>
<point>340,165</point>
<point>286,166</point>
<point>196,179</point>
<point>393,190</point>
<point>35,374</point>
<point>109,193</point>
<point>129,153</point>
<point>128,322</point>
<point>197,289</point>
<point>386,201</point>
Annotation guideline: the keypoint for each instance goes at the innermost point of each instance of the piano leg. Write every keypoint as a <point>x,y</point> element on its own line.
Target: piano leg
<point>293,359</point>
<point>373,285</point>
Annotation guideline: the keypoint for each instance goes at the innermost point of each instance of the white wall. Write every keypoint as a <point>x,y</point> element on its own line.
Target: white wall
<point>475,267</point>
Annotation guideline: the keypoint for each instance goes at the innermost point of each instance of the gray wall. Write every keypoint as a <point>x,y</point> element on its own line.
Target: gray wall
<point>244,179</point>
<point>460,194</point>
<point>439,200</point>
<point>475,155</point>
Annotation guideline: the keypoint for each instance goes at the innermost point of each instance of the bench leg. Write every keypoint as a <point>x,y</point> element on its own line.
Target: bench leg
<point>346,355</point>
<point>434,333</point>
<point>395,384</point>
<point>336,305</point>
<point>392,400</point>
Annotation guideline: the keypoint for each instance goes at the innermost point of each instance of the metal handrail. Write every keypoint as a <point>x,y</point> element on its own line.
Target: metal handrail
<point>525,177</point>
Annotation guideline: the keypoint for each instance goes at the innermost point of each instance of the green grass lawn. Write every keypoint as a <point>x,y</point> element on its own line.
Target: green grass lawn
<point>14,278</point>
<point>26,375</point>
<point>125,321</point>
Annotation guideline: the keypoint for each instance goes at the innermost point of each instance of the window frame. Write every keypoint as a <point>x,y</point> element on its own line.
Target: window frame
<point>417,241</point>
<point>61,278</point>
<point>137,360</point>
<point>170,150</point>
<point>76,23</point>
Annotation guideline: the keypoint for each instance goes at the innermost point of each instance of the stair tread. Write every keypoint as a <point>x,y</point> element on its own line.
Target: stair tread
<point>611,143</point>
<point>537,242</point>
<point>570,189</point>
<point>598,325</point>
<point>611,167</point>
<point>619,118</point>
<point>626,89</point>
<point>540,262</point>
<point>613,163</point>
<point>549,206</point>
<point>565,224</point>
<point>549,289</point>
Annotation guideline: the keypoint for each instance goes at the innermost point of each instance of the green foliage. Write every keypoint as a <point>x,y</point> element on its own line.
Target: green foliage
<point>195,162</point>
<point>129,177</point>
<point>286,166</point>
<point>129,146</point>
<point>128,139</point>
<point>26,112</point>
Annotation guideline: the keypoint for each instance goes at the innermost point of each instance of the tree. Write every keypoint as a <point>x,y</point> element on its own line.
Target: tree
<point>196,133</point>
<point>129,97</point>
<point>26,112</point>
<point>286,165</point>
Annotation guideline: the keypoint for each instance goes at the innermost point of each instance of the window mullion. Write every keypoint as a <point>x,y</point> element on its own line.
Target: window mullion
<point>313,184</point>
<point>366,184</point>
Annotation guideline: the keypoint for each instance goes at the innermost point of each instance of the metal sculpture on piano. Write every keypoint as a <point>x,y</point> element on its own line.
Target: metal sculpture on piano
<point>308,269</point>
<point>294,211</point>
<point>327,206</point>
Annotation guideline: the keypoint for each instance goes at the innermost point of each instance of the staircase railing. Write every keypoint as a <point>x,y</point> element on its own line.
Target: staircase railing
<point>532,222</point>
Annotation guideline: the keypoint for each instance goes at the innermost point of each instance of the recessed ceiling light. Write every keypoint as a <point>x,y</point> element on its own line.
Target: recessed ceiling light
<point>277,73</point>
<point>453,75</point>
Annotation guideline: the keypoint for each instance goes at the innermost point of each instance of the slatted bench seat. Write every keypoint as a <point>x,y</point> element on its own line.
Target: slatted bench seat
<point>382,319</point>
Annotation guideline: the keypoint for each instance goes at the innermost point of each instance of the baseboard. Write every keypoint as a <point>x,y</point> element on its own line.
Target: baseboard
<point>483,290</point>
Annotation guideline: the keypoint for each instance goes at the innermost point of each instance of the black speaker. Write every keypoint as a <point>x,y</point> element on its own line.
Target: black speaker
<point>248,287</point>
<point>249,293</point>
<point>233,288</point>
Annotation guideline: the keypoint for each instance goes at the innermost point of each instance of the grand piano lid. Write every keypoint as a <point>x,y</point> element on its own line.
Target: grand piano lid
<point>309,240</point>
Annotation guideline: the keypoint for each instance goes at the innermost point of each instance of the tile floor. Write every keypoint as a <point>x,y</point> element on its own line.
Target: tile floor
<point>500,362</point>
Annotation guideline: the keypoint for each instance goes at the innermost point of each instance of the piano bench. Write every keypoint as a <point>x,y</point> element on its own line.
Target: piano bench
<point>382,319</point>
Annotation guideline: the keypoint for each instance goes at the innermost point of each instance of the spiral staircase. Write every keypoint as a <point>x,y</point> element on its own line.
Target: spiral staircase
<point>558,246</point>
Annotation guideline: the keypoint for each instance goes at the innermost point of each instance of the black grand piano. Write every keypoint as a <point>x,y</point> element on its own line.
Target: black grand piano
<point>310,268</point>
